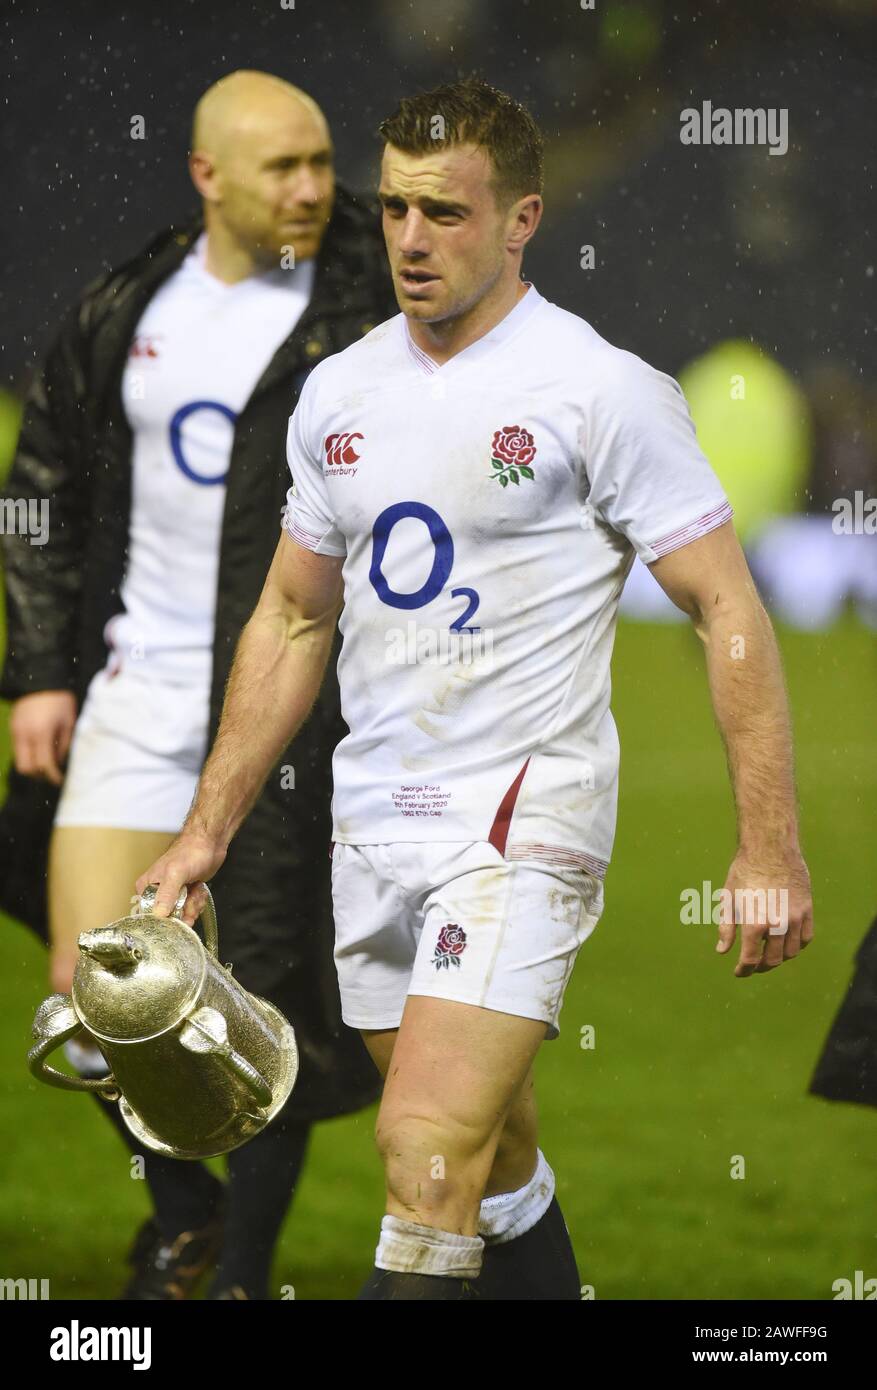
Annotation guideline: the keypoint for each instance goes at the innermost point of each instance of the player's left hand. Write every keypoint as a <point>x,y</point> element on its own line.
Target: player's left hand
<point>773,907</point>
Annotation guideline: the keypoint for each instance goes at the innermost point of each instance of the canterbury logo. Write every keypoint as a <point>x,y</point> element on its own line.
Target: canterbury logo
<point>340,450</point>
<point>143,345</point>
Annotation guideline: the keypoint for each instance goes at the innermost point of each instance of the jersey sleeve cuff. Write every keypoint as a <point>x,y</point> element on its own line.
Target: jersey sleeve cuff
<point>309,537</point>
<point>683,535</point>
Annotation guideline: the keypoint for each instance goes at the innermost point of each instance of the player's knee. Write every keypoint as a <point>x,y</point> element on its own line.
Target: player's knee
<point>431,1157</point>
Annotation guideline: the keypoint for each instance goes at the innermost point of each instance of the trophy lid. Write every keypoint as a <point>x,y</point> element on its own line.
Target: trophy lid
<point>137,977</point>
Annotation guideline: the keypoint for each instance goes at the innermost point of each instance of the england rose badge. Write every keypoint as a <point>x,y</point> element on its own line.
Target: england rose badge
<point>513,451</point>
<point>450,946</point>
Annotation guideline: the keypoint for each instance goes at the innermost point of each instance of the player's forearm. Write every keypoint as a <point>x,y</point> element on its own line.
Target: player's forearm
<point>751,707</point>
<point>275,679</point>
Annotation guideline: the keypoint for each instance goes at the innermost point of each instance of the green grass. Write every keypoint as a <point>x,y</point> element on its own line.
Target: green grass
<point>691,1066</point>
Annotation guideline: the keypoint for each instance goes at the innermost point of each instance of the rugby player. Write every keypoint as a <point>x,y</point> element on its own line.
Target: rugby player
<point>483,464</point>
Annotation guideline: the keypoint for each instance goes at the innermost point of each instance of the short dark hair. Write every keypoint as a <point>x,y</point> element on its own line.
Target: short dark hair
<point>473,112</point>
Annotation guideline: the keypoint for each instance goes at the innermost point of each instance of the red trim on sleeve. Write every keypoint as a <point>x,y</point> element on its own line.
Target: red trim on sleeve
<point>704,524</point>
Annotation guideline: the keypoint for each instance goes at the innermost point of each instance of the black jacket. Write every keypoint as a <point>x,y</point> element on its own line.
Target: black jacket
<point>273,892</point>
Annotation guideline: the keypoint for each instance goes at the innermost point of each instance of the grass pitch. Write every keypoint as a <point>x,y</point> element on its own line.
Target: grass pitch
<point>691,1066</point>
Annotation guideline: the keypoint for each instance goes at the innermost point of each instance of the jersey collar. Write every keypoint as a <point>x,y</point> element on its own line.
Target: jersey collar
<point>500,333</point>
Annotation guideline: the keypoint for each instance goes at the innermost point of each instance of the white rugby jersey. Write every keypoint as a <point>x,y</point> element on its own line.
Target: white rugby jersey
<point>489,510</point>
<point>198,351</point>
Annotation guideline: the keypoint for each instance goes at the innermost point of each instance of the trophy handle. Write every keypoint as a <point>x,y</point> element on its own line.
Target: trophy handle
<point>207,915</point>
<point>55,1021</point>
<point>253,1080</point>
<point>206,1031</point>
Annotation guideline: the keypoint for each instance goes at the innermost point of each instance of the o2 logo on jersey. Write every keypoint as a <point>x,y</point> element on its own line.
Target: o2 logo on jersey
<point>442,563</point>
<point>176,434</point>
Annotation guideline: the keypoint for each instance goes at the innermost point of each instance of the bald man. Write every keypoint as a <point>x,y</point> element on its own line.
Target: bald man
<point>163,503</point>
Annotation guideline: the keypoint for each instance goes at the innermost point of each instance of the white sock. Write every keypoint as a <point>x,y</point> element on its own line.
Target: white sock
<point>86,1058</point>
<point>510,1214</point>
<point>409,1248</point>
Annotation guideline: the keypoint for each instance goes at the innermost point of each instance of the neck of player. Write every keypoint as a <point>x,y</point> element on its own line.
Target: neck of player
<point>443,340</point>
<point>225,257</point>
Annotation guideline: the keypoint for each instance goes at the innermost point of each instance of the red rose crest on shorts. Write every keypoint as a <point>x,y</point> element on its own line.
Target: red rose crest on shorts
<point>513,451</point>
<point>450,946</point>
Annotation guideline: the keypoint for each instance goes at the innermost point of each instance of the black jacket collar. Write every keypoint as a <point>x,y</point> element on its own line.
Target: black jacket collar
<point>350,263</point>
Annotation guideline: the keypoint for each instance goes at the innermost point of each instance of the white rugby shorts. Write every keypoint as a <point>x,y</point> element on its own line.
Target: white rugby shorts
<point>455,920</point>
<point>137,751</point>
